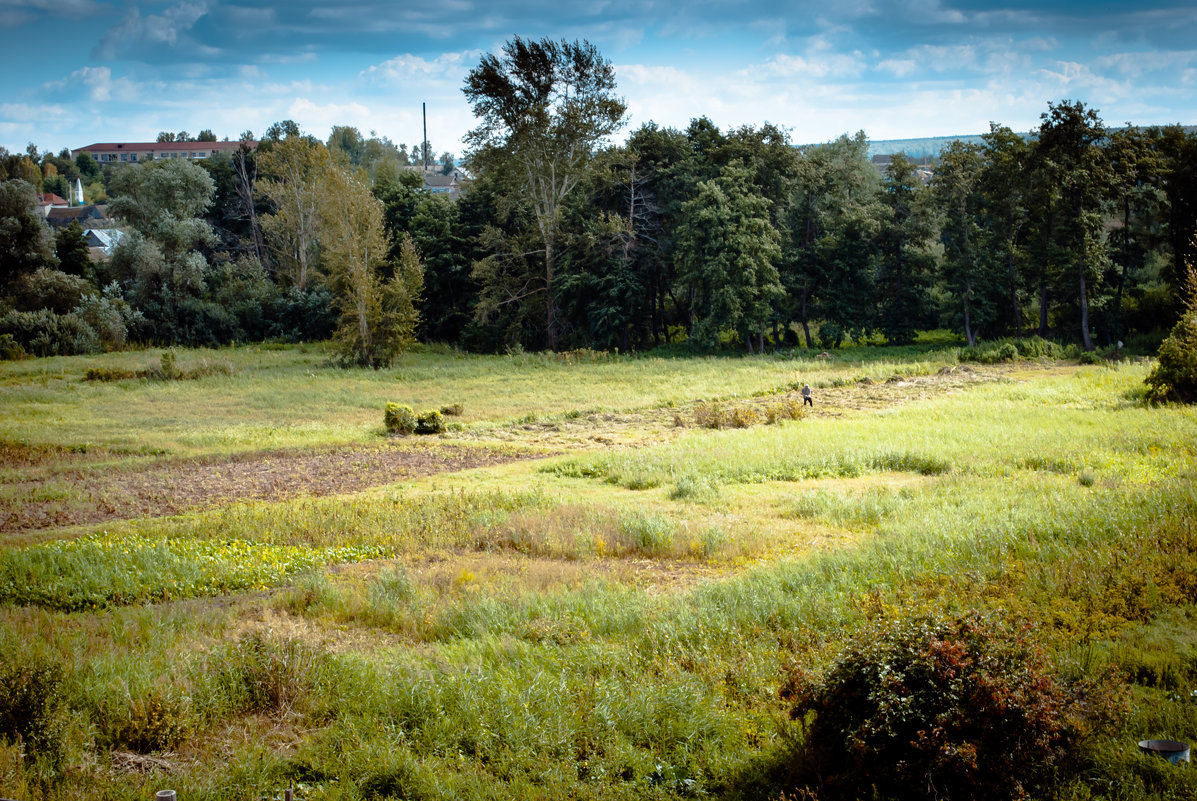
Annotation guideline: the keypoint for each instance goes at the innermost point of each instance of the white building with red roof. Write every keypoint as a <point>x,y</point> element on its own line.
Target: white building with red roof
<point>140,152</point>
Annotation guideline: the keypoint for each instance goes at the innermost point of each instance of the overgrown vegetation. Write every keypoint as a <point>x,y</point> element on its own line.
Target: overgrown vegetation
<point>619,622</point>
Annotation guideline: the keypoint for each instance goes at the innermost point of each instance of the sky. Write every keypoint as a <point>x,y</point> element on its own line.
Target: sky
<point>76,72</point>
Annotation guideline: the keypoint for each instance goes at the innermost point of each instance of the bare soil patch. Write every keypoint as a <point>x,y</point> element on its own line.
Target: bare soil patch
<point>89,496</point>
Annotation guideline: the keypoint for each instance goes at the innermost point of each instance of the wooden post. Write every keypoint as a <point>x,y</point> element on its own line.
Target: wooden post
<point>289,793</point>
<point>165,795</point>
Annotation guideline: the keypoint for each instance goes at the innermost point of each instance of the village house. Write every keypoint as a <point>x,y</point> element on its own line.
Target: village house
<point>139,152</point>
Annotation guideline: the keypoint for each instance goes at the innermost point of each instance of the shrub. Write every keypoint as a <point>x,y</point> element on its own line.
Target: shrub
<point>430,422</point>
<point>1174,378</point>
<point>934,708</point>
<point>744,417</point>
<point>260,674</point>
<point>831,335</point>
<point>45,333</point>
<point>31,705</point>
<point>785,410</point>
<point>453,410</point>
<point>399,419</point>
<point>156,720</point>
<point>710,415</point>
<point>10,349</point>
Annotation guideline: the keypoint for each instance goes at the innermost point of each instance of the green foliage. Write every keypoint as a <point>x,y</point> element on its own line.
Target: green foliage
<point>156,719</point>
<point>937,708</point>
<point>453,410</point>
<point>103,570</point>
<point>430,422</point>
<point>831,335</point>
<point>261,674</point>
<point>1174,377</point>
<point>25,241</point>
<point>32,705</point>
<point>399,419</point>
<point>545,107</point>
<point>10,349</point>
<point>727,250</point>
<point>46,333</point>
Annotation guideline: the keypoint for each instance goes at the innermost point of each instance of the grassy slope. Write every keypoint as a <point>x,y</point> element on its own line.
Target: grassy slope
<point>547,631</point>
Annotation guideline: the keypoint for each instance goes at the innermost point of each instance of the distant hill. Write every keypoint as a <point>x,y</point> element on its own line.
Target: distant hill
<point>934,145</point>
<point>920,148</point>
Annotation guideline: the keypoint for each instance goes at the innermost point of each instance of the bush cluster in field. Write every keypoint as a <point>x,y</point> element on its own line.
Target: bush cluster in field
<point>399,419</point>
<point>716,415</point>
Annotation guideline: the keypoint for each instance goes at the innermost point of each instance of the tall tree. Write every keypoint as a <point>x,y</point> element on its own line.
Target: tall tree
<point>544,108</point>
<point>291,172</point>
<point>25,241</point>
<point>958,193</point>
<point>905,264</point>
<point>728,250</point>
<point>1004,200</point>
<point>839,253</point>
<point>378,311</point>
<point>1139,207</point>
<point>160,264</point>
<point>1072,162</point>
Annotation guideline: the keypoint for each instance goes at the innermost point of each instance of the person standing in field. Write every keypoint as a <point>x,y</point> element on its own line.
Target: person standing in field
<point>806,401</point>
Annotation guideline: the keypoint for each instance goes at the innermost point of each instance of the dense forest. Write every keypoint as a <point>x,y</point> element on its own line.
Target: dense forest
<point>733,239</point>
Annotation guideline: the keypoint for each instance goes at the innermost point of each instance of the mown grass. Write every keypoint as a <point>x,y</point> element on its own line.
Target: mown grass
<point>294,397</point>
<point>500,651</point>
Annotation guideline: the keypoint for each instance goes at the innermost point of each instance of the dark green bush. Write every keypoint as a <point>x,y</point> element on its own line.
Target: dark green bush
<point>45,333</point>
<point>31,702</point>
<point>1174,378</point>
<point>10,349</point>
<point>831,335</point>
<point>430,422</point>
<point>936,709</point>
<point>399,419</point>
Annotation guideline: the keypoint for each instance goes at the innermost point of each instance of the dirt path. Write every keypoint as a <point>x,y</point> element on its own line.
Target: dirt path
<point>72,490</point>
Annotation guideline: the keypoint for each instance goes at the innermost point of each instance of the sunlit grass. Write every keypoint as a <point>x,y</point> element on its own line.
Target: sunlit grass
<point>604,625</point>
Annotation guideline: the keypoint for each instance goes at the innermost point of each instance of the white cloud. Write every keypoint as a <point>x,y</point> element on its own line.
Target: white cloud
<point>404,69</point>
<point>166,29</point>
<point>1138,64</point>
<point>99,83</point>
<point>817,65</point>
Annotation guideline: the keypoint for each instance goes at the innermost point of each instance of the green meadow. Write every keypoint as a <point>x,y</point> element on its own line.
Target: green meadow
<point>603,602</point>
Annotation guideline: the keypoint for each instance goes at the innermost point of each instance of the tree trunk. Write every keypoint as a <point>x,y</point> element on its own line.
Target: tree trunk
<point>550,300</point>
<point>1014,310</point>
<point>810,343</point>
<point>1043,307</point>
<point>1085,338</point>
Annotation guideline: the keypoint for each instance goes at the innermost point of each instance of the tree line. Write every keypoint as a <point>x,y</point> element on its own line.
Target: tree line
<point>720,239</point>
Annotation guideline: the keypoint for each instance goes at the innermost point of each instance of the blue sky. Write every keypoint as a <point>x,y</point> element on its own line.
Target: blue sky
<point>82,71</point>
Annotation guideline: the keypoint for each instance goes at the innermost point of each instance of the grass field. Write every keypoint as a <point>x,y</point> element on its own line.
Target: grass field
<point>235,583</point>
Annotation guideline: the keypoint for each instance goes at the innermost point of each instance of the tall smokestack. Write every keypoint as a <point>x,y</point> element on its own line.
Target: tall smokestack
<point>424,147</point>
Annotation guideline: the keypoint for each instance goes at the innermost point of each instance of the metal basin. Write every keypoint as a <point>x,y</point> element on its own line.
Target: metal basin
<point>1171,750</point>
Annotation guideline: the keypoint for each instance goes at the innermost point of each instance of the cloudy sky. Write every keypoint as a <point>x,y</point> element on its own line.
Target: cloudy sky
<point>83,71</point>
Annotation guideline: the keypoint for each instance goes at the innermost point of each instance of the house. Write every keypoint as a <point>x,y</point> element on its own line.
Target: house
<point>101,241</point>
<point>454,184</point>
<point>49,200</point>
<point>140,152</point>
<point>86,216</point>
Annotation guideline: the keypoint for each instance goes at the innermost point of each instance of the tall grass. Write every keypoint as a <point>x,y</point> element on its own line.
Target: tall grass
<point>501,651</point>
